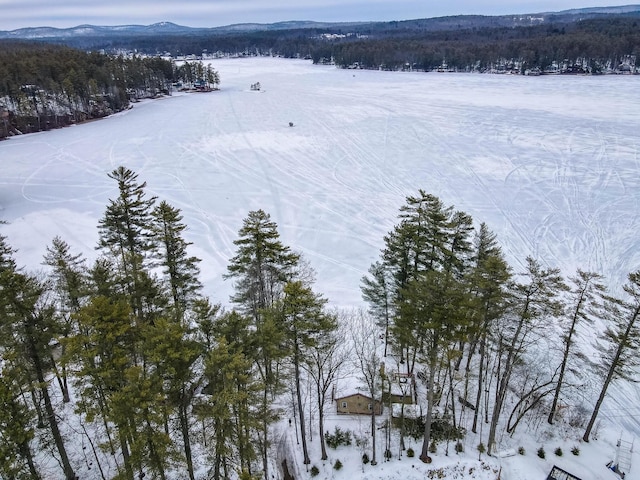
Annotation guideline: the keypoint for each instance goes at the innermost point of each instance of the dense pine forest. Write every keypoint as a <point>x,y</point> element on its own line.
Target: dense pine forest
<point>580,42</point>
<point>47,86</point>
<point>593,46</point>
<point>124,367</point>
<point>590,46</point>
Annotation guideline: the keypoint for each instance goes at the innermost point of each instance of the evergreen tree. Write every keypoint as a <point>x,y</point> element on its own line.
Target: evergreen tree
<point>248,411</point>
<point>533,303</point>
<point>586,297</point>
<point>427,256</point>
<point>101,279</point>
<point>622,337</point>
<point>28,330</point>
<point>268,341</point>
<point>125,236</point>
<point>212,77</point>
<point>425,240</point>
<point>204,316</point>
<point>69,274</point>
<point>129,396</point>
<point>376,291</point>
<point>261,266</point>
<point>16,430</point>
<point>426,221</point>
<point>180,269</point>
<point>102,354</point>
<point>487,281</point>
<point>458,247</point>
<point>70,283</point>
<point>173,356</point>
<point>218,370</point>
<point>130,239</point>
<point>436,305</point>
<point>230,390</point>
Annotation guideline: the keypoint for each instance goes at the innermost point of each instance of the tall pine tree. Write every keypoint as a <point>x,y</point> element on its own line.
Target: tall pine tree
<point>262,265</point>
<point>29,330</point>
<point>180,269</point>
<point>125,235</point>
<point>622,341</point>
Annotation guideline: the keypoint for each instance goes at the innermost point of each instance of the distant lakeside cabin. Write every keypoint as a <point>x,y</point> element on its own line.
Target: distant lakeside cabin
<point>358,404</point>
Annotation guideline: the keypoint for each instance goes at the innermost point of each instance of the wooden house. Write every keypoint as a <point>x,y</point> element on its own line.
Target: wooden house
<point>358,404</point>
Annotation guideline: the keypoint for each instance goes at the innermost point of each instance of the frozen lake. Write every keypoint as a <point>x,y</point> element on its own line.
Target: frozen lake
<point>550,163</point>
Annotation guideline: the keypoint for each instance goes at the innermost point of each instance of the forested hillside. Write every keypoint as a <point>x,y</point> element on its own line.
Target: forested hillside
<point>579,41</point>
<point>590,46</point>
<point>126,357</point>
<point>598,45</point>
<point>46,86</point>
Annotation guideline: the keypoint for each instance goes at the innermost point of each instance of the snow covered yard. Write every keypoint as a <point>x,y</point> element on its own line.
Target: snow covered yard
<point>589,464</point>
<point>549,163</point>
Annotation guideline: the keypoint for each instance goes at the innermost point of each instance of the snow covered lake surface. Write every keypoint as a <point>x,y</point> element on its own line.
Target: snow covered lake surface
<point>551,164</point>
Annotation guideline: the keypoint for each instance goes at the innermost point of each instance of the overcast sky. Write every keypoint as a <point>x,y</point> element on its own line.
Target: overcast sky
<point>16,14</point>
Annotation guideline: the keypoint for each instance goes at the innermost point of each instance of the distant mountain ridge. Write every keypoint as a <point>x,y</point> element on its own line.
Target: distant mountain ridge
<point>435,23</point>
<point>615,10</point>
<point>93,30</point>
<point>30,33</point>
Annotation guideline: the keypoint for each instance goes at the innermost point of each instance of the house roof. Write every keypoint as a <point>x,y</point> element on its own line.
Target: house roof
<point>355,394</point>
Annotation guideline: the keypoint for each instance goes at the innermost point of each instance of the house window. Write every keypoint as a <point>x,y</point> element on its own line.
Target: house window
<point>344,404</point>
<point>370,407</point>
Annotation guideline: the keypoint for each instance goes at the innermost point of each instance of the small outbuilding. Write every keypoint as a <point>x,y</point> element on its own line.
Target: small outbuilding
<point>557,473</point>
<point>358,404</point>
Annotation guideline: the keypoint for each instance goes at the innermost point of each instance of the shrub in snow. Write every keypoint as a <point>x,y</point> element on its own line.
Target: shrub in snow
<point>558,452</point>
<point>365,458</point>
<point>433,448</point>
<point>541,453</point>
<point>338,438</point>
<point>410,452</point>
<point>387,454</point>
<point>576,451</point>
<point>443,429</point>
<point>459,447</point>
<point>337,465</point>
<point>578,416</point>
<point>314,471</point>
<point>361,441</point>
<point>521,450</point>
<point>481,447</point>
